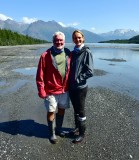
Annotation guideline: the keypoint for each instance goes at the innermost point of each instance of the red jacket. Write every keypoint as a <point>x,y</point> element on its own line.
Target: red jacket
<point>49,80</point>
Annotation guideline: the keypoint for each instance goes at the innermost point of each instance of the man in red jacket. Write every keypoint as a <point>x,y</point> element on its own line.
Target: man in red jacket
<point>52,83</point>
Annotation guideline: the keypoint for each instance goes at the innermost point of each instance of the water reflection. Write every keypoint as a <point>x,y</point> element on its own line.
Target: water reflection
<point>13,88</point>
<point>2,83</point>
<point>122,76</point>
<point>26,71</point>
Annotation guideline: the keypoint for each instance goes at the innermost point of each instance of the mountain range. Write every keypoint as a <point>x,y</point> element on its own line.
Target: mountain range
<point>44,31</point>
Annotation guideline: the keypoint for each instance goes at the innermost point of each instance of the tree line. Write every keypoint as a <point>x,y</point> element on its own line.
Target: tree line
<point>9,38</point>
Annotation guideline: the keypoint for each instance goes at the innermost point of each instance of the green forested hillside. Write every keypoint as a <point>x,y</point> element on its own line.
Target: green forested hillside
<point>134,40</point>
<point>8,38</point>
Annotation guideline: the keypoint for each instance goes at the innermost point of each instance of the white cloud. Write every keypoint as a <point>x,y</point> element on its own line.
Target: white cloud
<point>74,24</point>
<point>62,24</point>
<point>4,17</point>
<point>93,28</point>
<point>28,20</point>
<point>69,25</point>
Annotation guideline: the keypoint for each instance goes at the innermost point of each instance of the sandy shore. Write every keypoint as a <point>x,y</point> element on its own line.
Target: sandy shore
<point>112,117</point>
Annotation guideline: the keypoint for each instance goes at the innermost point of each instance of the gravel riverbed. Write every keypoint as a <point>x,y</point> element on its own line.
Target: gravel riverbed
<point>112,117</point>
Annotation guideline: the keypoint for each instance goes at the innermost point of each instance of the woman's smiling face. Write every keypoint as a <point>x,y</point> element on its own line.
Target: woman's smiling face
<point>78,39</point>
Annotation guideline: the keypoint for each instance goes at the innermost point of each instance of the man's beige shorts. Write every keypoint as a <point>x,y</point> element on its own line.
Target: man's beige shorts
<point>60,100</point>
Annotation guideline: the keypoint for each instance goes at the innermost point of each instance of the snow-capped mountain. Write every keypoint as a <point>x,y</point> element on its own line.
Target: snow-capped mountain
<point>13,25</point>
<point>119,34</point>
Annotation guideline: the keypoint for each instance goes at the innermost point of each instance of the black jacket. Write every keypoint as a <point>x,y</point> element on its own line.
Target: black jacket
<point>81,68</point>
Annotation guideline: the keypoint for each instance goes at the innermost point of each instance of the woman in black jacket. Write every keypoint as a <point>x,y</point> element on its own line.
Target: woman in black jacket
<point>81,69</point>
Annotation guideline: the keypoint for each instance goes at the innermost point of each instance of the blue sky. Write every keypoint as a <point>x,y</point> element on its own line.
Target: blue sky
<point>98,16</point>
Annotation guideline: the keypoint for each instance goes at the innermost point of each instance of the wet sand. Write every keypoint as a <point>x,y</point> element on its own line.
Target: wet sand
<point>112,117</point>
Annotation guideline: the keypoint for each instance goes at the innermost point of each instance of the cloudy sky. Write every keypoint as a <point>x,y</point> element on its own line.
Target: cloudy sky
<point>94,15</point>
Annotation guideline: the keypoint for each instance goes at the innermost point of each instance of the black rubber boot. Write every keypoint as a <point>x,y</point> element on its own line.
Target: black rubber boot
<point>59,122</point>
<point>82,128</point>
<point>75,131</point>
<point>52,136</point>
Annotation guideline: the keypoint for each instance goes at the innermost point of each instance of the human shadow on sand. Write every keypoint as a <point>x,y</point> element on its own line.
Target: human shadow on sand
<point>26,127</point>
